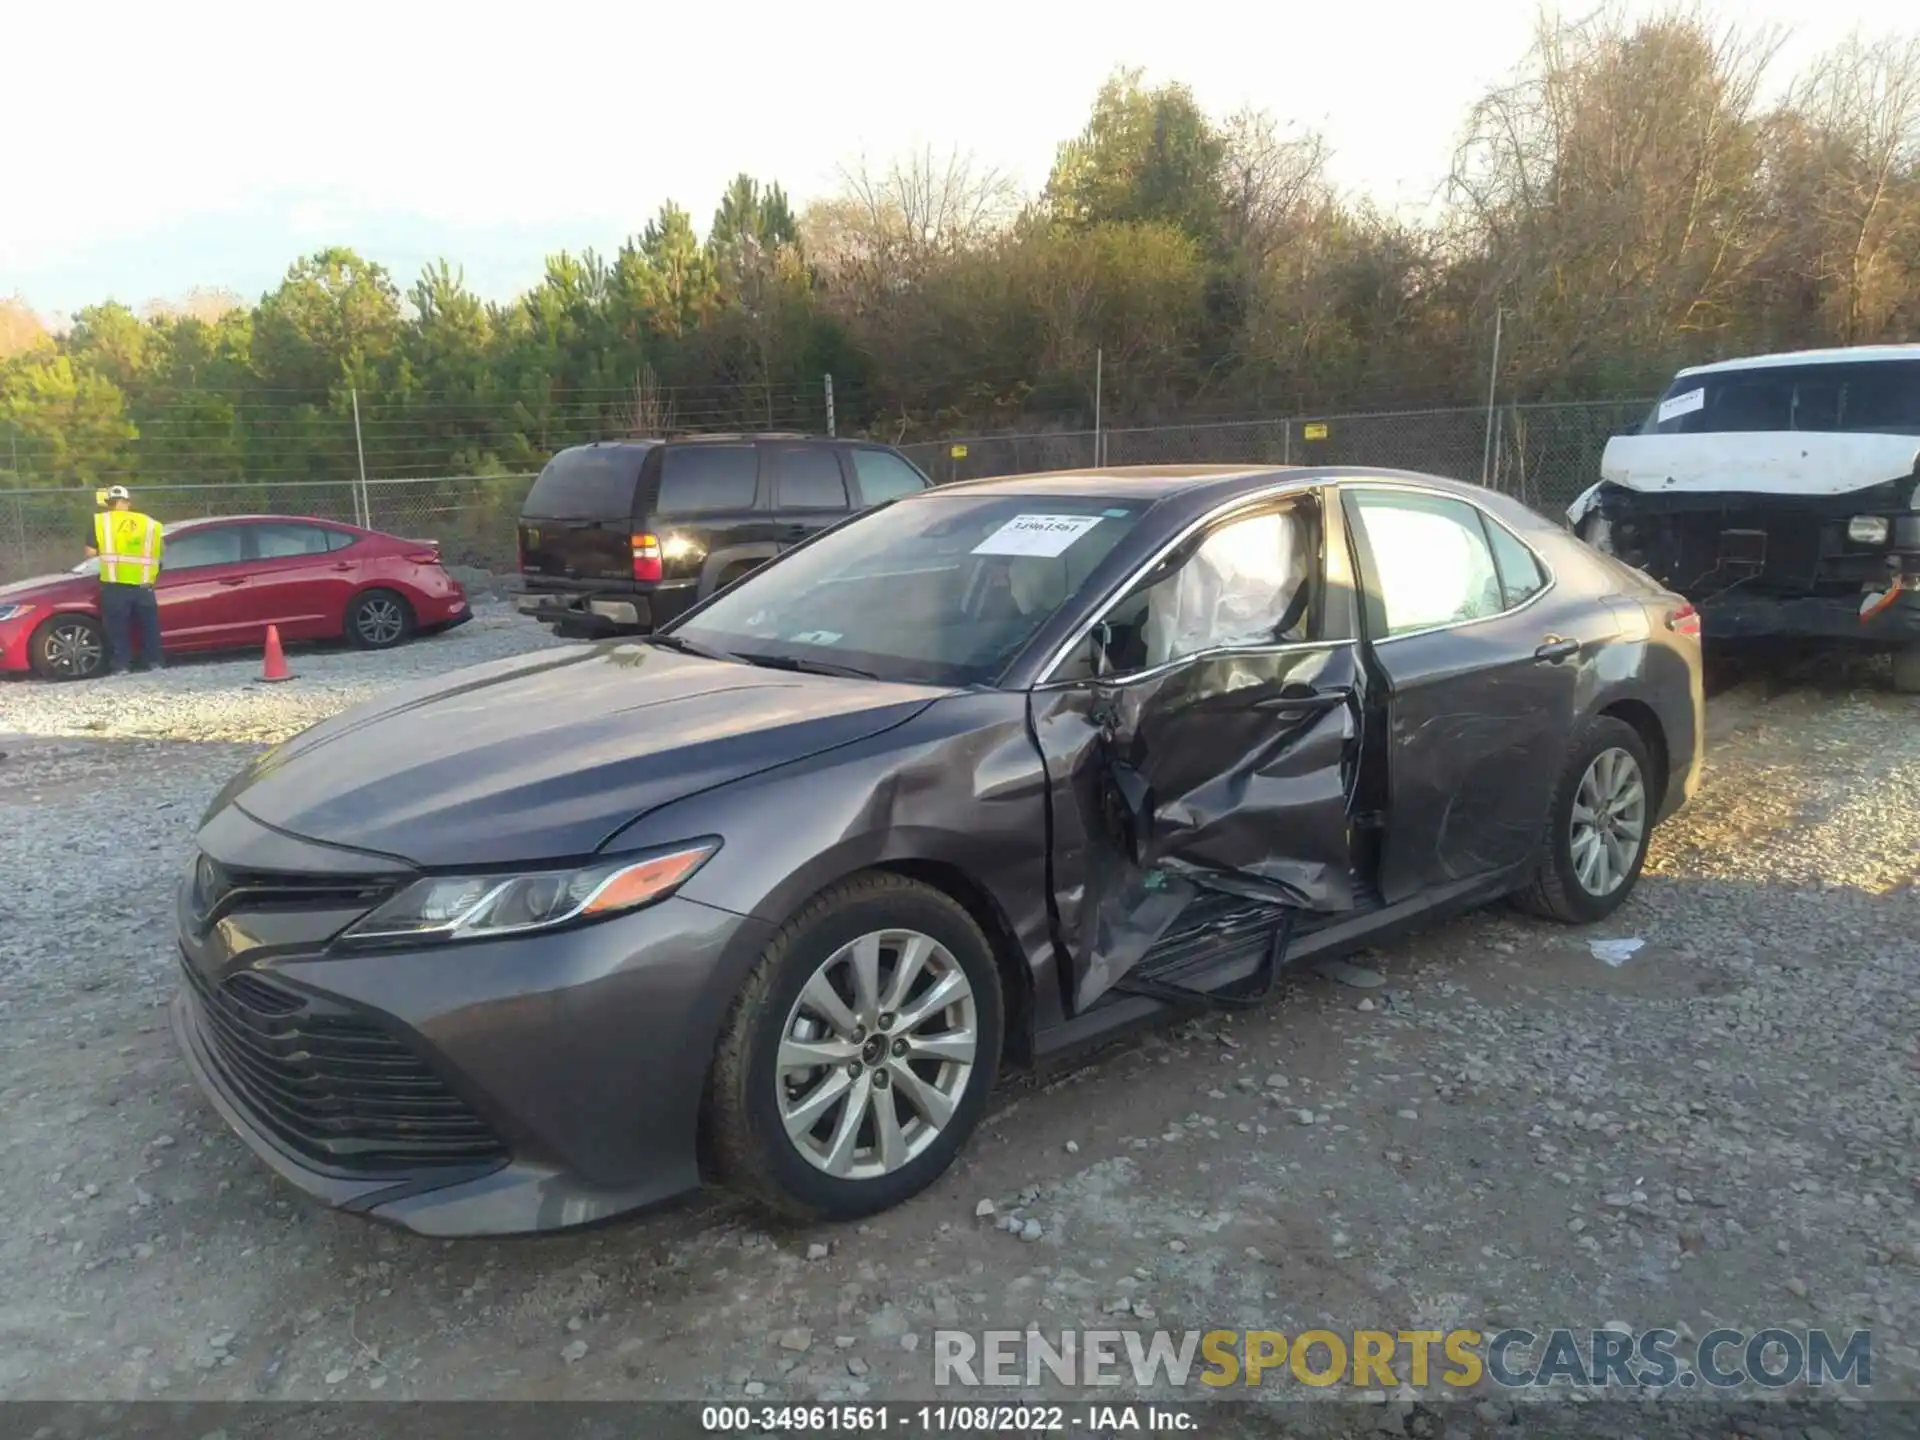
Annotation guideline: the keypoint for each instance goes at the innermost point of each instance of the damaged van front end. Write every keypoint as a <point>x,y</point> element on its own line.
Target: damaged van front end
<point>1773,533</point>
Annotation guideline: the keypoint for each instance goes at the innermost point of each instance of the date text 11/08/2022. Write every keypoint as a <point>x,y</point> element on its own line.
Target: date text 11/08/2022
<point>959,1419</point>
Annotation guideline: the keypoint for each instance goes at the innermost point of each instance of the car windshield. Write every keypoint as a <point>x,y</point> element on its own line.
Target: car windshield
<point>1861,397</point>
<point>941,589</point>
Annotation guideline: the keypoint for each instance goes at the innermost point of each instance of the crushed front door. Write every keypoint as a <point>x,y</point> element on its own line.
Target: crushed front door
<point>1210,753</point>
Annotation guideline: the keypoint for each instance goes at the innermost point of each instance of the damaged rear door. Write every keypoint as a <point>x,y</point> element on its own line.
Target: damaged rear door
<point>1201,746</point>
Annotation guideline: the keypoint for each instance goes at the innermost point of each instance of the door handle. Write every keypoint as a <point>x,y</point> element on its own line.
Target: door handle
<point>1555,649</point>
<point>344,565</point>
<point>234,580</point>
<point>1296,703</point>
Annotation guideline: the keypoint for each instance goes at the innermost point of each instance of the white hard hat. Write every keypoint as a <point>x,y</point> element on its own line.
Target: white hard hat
<point>118,492</point>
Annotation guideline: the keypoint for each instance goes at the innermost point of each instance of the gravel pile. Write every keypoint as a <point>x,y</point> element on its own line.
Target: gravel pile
<point>224,699</point>
<point>1506,1130</point>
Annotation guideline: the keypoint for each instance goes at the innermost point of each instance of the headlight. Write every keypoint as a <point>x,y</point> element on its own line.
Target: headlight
<point>479,907</point>
<point>1867,529</point>
<point>14,612</point>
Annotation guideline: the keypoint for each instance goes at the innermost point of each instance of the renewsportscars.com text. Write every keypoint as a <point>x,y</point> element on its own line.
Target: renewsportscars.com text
<point>1772,1358</point>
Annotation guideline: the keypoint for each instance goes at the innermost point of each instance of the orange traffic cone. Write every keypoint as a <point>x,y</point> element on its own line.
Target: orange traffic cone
<point>275,667</point>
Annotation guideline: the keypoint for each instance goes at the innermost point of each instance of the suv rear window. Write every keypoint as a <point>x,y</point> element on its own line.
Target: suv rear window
<point>1877,395</point>
<point>587,484</point>
<point>700,479</point>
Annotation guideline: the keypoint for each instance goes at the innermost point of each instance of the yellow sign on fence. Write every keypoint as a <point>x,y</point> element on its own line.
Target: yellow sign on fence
<point>958,452</point>
<point>1315,432</point>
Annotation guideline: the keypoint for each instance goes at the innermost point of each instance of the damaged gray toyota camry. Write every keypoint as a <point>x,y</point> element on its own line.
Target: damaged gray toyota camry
<point>770,898</point>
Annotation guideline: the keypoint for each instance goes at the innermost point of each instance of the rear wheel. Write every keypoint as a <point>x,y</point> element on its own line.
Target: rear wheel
<point>379,620</point>
<point>859,1055</point>
<point>68,647</point>
<point>1598,828</point>
<point>736,571</point>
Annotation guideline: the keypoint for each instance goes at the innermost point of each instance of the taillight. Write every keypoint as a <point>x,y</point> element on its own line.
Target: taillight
<point>423,557</point>
<point>1685,621</point>
<point>646,557</point>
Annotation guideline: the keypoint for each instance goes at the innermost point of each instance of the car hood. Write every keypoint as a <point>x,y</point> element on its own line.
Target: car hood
<point>545,757</point>
<point>48,588</point>
<point>1793,462</point>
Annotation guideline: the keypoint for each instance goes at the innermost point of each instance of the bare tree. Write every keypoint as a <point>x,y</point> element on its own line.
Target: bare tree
<point>1857,183</point>
<point>1613,189</point>
<point>652,411</point>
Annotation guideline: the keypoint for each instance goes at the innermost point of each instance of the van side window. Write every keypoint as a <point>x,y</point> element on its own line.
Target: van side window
<point>701,479</point>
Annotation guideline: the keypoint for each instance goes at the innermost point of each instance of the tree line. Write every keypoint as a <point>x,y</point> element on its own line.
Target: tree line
<point>1639,195</point>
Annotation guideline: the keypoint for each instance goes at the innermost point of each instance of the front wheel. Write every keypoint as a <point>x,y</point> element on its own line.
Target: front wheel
<point>68,647</point>
<point>379,620</point>
<point>1598,829</point>
<point>859,1055</point>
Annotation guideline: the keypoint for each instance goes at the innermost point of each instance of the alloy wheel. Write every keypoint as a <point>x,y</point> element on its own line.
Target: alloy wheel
<point>1609,822</point>
<point>72,650</point>
<point>380,621</point>
<point>876,1054</point>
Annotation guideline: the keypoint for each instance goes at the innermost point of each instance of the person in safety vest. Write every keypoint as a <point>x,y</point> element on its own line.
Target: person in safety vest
<point>128,545</point>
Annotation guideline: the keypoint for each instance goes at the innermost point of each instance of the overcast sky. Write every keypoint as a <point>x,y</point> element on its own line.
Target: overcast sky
<point>151,148</point>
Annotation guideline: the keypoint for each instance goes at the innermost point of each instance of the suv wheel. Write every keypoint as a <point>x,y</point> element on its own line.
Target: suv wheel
<point>1597,829</point>
<point>859,1055</point>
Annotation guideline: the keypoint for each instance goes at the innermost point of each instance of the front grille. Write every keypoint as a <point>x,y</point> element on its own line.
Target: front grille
<point>330,1085</point>
<point>219,890</point>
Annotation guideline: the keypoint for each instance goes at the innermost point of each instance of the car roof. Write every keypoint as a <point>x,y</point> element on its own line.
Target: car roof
<point>715,438</point>
<point>1202,486</point>
<point>1843,355</point>
<point>174,526</point>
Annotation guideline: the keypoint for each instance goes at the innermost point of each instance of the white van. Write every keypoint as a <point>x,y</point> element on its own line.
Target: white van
<point>1781,495</point>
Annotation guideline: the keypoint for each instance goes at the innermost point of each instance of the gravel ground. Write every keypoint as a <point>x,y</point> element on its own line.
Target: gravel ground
<point>1720,1131</point>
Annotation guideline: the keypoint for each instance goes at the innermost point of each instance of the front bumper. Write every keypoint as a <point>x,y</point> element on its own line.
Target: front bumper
<point>1735,616</point>
<point>559,1077</point>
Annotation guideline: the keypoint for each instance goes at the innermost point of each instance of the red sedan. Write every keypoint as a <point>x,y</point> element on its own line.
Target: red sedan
<point>223,581</point>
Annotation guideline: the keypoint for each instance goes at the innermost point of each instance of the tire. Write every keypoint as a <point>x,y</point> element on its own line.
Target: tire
<point>1906,670</point>
<point>739,570</point>
<point>68,647</point>
<point>1557,890</point>
<point>379,620</point>
<point>748,1094</point>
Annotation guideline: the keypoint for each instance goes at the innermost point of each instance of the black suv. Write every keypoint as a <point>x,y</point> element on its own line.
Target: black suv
<point>621,536</point>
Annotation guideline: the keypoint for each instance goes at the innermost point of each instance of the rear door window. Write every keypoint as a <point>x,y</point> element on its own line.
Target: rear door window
<point>587,484</point>
<point>808,477</point>
<point>282,542</point>
<point>1520,575</point>
<point>704,479</point>
<point>884,476</point>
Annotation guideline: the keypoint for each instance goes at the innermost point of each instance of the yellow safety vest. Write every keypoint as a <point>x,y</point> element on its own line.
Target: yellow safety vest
<point>130,545</point>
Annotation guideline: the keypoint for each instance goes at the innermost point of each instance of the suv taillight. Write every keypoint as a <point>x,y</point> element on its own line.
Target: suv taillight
<point>1685,620</point>
<point>646,557</point>
<point>424,557</point>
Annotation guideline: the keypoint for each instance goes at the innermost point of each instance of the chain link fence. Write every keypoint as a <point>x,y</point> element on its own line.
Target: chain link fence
<point>1543,454</point>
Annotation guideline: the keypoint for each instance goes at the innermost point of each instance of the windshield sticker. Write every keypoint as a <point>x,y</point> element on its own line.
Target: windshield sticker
<point>1038,535</point>
<point>815,637</point>
<point>1682,404</point>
